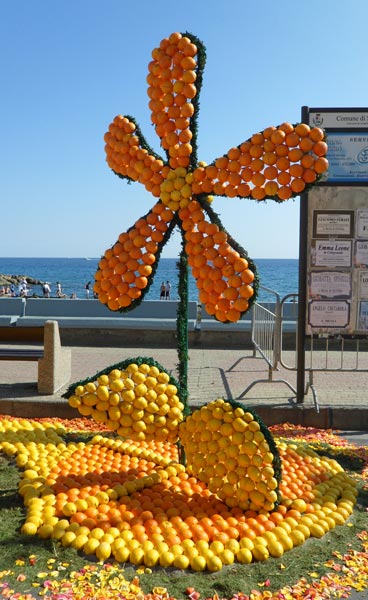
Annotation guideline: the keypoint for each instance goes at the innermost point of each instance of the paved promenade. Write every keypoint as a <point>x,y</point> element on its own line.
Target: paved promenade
<point>340,400</point>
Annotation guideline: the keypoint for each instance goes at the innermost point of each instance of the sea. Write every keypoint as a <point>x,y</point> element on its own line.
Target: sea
<point>277,274</point>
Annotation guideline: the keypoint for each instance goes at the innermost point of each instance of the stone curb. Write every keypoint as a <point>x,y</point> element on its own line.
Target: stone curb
<point>340,418</point>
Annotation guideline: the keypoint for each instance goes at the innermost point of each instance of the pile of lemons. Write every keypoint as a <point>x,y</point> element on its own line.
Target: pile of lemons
<point>226,448</point>
<point>138,401</point>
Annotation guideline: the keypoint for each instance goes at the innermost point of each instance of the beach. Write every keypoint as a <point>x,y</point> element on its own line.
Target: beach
<point>280,275</point>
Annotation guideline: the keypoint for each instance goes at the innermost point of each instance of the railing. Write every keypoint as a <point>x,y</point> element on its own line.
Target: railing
<point>325,353</point>
<point>266,338</point>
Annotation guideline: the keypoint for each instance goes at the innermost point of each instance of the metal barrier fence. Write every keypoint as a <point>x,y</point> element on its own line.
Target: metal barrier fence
<point>266,338</point>
<point>324,353</point>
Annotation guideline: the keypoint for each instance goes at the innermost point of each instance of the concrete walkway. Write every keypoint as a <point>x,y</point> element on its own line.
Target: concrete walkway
<point>340,400</point>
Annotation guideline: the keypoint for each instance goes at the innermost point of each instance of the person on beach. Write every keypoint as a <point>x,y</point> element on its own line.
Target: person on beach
<point>168,290</point>
<point>58,289</point>
<point>46,290</point>
<point>162,291</point>
<point>88,287</point>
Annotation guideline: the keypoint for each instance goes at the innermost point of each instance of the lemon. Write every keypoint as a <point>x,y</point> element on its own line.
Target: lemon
<point>198,563</point>
<point>316,530</point>
<point>181,561</point>
<point>103,392</point>
<point>217,547</point>
<point>80,541</point>
<point>122,554</point>
<point>103,551</point>
<point>68,538</point>
<point>136,555</point>
<point>260,552</point>
<point>227,557</point>
<point>214,563</point>
<point>91,545</point>
<point>297,537</point>
<point>69,509</point>
<point>275,548</point>
<point>244,556</point>
<point>166,558</point>
<point>45,531</point>
<point>29,528</point>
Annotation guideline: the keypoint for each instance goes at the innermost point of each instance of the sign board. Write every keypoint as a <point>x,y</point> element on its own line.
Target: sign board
<point>347,138</point>
<point>338,118</point>
<point>335,228</point>
<point>348,157</point>
<point>337,261</point>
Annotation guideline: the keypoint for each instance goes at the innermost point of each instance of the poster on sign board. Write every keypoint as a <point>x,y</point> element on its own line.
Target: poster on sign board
<point>328,314</point>
<point>329,284</point>
<point>361,253</point>
<point>362,324</point>
<point>331,253</point>
<point>333,223</point>
<point>363,285</point>
<point>362,223</point>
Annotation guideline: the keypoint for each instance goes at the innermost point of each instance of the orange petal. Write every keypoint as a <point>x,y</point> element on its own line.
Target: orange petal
<point>173,91</point>
<point>224,274</point>
<point>128,156</point>
<point>125,271</point>
<point>277,163</point>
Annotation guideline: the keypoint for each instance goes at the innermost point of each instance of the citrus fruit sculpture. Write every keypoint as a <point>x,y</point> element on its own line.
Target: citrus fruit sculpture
<point>164,485</point>
<point>131,500</point>
<point>277,163</point>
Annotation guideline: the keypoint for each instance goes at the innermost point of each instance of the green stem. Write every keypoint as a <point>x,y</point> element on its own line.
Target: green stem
<point>182,327</point>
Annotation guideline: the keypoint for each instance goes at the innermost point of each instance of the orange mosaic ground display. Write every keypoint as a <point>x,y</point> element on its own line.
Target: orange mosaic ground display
<point>134,502</point>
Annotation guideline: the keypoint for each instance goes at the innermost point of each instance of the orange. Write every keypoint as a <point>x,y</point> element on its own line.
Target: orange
<point>321,165</point>
<point>258,193</point>
<point>316,134</point>
<point>320,148</point>
<point>298,185</point>
<point>302,129</point>
<point>292,139</point>
<point>284,193</point>
<point>278,136</point>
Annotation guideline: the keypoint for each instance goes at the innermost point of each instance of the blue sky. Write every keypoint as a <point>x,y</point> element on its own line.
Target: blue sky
<point>67,68</point>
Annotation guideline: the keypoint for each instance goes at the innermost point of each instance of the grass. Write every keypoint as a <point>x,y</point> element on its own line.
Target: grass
<point>287,570</point>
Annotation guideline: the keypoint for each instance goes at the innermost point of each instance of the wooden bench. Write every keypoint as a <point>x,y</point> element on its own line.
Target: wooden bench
<point>54,362</point>
<point>21,354</point>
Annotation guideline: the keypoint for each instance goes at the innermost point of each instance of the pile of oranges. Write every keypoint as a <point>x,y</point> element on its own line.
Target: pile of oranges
<point>131,500</point>
<point>124,270</point>
<point>224,277</point>
<point>139,401</point>
<point>229,449</point>
<point>277,163</point>
<point>126,156</point>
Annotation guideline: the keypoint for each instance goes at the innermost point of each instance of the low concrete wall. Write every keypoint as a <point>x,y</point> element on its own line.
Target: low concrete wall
<point>152,324</point>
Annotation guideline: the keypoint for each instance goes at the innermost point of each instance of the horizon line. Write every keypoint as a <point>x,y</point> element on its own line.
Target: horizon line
<point>161,257</point>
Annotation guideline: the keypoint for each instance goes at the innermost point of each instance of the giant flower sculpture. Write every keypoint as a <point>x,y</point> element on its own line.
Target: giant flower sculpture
<point>134,495</point>
<point>277,163</point>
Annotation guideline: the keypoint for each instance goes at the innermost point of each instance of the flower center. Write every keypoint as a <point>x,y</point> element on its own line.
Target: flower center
<point>176,189</point>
